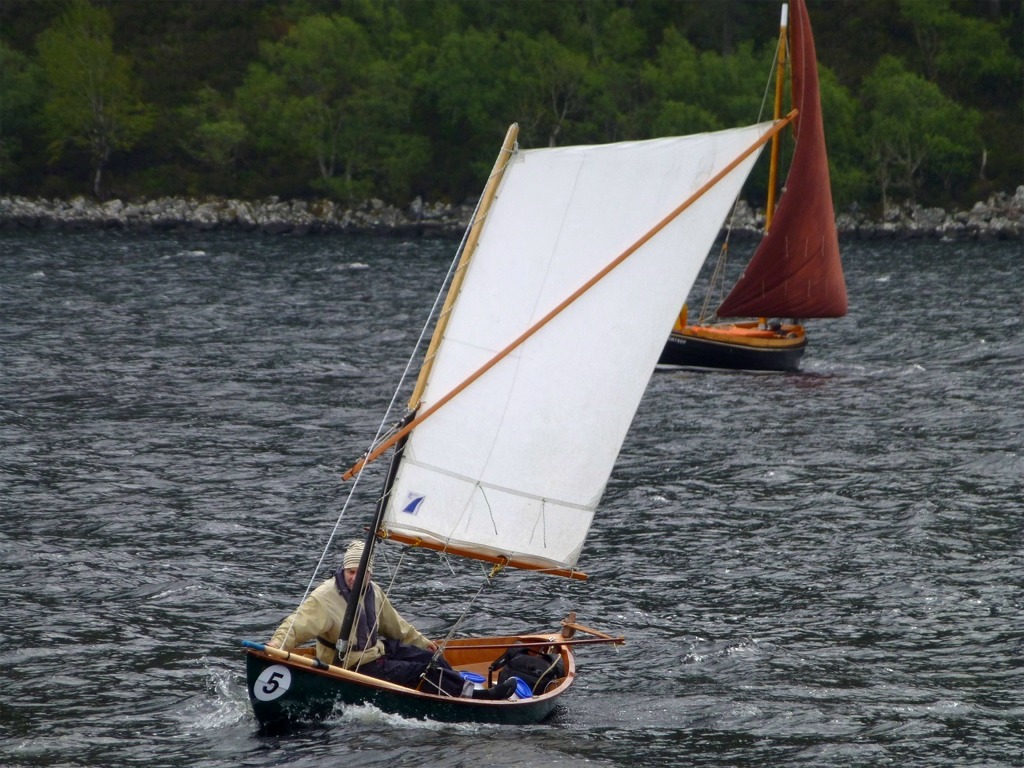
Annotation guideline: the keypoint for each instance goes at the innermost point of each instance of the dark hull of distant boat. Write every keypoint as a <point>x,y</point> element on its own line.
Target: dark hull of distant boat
<point>735,347</point>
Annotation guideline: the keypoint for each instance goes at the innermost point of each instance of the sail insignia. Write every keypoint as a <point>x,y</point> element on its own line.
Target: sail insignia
<point>412,504</point>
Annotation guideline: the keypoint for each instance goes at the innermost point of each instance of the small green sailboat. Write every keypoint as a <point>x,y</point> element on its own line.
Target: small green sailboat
<point>557,310</point>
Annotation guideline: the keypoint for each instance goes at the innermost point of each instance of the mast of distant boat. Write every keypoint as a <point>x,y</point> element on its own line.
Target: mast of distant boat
<point>773,166</point>
<point>780,77</point>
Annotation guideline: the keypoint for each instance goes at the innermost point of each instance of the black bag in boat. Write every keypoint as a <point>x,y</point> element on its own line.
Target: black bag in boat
<point>534,668</point>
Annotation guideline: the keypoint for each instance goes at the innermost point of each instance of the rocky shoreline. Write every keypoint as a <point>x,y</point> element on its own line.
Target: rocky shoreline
<point>1001,217</point>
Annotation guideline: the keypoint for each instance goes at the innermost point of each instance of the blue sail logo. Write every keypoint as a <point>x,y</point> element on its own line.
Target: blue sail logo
<point>412,504</point>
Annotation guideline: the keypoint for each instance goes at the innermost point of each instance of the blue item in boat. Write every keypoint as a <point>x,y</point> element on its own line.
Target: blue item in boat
<point>522,689</point>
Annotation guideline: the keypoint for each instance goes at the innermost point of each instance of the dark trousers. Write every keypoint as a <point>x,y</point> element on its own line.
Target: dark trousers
<point>408,665</point>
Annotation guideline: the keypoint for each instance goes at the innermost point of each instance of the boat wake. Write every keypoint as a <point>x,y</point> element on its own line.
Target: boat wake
<point>225,703</point>
<point>367,714</point>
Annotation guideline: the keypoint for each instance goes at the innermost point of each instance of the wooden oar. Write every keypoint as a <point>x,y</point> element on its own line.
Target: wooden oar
<point>314,663</point>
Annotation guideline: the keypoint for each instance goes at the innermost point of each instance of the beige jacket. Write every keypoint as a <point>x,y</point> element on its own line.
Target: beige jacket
<point>321,614</point>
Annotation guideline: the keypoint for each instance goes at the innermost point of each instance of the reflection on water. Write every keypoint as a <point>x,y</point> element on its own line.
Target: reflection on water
<point>811,569</point>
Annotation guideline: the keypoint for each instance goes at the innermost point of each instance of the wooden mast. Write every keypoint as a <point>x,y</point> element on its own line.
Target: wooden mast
<point>773,165</point>
<point>780,78</point>
<point>467,254</point>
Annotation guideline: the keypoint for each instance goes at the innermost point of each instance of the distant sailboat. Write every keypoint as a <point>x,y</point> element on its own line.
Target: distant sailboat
<point>567,279</point>
<point>795,271</point>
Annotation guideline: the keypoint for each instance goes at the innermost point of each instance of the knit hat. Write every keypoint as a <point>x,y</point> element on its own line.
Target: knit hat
<point>352,556</point>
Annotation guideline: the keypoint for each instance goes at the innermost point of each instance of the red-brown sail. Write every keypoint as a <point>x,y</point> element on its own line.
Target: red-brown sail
<point>796,270</point>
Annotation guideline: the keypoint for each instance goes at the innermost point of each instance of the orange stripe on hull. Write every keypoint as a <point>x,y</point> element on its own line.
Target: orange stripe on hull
<point>748,334</point>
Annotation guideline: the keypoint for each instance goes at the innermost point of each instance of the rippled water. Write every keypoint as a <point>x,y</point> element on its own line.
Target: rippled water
<point>821,569</point>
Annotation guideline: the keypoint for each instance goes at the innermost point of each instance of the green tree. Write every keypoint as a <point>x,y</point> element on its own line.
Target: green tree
<point>973,61</point>
<point>915,131</point>
<point>673,78</point>
<point>383,145</point>
<point>968,57</point>
<point>92,99</point>
<point>409,97</point>
<point>549,87</point>
<point>326,97</point>
<point>704,91</point>
<point>19,100</point>
<point>212,133</point>
<point>463,102</point>
<point>617,97</point>
<point>840,111</point>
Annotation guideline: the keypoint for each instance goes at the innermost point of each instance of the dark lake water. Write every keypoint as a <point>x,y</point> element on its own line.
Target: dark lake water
<point>818,569</point>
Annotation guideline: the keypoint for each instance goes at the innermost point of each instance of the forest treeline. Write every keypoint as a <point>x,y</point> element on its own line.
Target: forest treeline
<point>923,100</point>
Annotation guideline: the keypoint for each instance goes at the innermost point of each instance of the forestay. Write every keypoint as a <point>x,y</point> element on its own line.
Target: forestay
<point>514,466</point>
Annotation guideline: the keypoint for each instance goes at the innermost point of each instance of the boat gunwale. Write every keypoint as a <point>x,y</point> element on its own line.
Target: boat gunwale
<point>458,644</point>
<point>746,334</point>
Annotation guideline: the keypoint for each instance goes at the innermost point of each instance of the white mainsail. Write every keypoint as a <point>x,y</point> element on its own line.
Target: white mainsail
<point>515,465</point>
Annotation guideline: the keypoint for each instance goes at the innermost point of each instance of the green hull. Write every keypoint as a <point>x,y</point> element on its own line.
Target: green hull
<point>284,692</point>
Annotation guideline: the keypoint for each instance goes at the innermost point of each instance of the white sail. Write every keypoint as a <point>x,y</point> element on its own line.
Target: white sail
<point>515,465</point>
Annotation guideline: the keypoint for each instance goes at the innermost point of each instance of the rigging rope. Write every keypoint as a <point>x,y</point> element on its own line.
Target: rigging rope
<point>439,653</point>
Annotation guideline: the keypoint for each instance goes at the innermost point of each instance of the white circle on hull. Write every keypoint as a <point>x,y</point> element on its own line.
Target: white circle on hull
<point>273,682</point>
